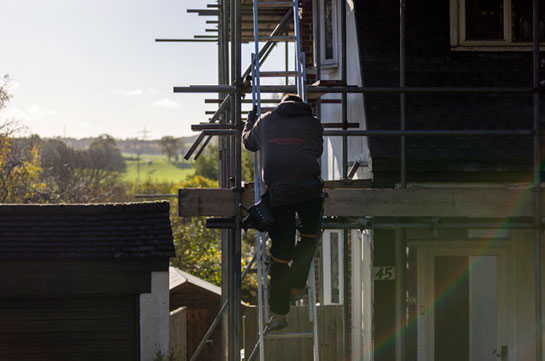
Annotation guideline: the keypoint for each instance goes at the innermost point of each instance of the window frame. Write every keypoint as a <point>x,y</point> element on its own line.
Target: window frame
<point>326,266</point>
<point>458,39</point>
<point>333,62</point>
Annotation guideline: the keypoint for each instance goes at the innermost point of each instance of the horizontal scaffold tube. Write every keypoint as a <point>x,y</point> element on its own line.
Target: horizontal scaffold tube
<point>445,132</point>
<point>392,225</point>
<point>352,89</point>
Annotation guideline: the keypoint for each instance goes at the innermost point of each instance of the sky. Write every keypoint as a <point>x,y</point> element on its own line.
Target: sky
<point>82,68</point>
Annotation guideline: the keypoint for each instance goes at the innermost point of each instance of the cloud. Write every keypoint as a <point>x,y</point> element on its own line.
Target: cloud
<point>128,92</point>
<point>152,91</point>
<point>33,112</point>
<point>166,103</point>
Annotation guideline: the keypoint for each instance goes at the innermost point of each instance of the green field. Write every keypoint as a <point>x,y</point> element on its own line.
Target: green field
<point>156,168</point>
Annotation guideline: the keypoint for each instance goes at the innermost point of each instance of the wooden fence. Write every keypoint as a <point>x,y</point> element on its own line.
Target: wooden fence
<point>178,334</point>
<point>330,335</point>
<point>187,328</point>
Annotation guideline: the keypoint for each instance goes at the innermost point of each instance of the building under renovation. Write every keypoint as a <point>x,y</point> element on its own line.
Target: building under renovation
<point>432,161</point>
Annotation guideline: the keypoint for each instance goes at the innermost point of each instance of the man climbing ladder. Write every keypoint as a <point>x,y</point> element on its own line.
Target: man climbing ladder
<point>290,139</point>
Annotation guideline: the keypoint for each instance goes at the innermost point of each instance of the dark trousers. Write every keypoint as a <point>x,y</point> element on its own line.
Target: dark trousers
<point>285,249</point>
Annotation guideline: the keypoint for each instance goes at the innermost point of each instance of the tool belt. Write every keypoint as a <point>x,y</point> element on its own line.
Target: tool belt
<point>260,215</point>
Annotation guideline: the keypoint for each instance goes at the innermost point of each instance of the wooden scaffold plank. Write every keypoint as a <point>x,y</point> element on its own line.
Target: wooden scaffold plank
<point>478,202</point>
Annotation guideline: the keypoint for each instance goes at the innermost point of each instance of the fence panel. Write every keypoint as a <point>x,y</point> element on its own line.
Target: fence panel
<point>178,333</point>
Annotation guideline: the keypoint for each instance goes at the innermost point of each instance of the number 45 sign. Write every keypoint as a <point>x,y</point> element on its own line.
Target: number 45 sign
<point>384,273</point>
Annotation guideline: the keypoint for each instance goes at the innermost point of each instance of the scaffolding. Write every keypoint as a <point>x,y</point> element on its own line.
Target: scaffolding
<point>227,125</point>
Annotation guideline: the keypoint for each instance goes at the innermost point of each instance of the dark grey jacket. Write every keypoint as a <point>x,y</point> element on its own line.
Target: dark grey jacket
<point>290,138</point>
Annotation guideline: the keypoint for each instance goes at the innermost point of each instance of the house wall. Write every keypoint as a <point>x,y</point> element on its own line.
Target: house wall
<point>523,333</point>
<point>154,317</point>
<point>430,61</point>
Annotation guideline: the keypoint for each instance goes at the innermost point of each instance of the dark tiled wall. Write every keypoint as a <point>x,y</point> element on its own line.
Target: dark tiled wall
<point>430,62</point>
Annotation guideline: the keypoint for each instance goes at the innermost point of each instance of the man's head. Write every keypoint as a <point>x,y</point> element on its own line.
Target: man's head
<point>292,98</point>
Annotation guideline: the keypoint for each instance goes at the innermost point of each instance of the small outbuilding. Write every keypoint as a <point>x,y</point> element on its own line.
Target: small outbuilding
<point>202,300</point>
<point>84,282</point>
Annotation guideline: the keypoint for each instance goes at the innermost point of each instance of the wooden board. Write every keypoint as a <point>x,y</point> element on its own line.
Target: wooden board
<point>195,202</point>
<point>178,334</point>
<point>360,202</point>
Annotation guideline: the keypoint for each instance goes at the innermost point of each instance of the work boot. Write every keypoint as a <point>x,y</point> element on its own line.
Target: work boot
<point>277,322</point>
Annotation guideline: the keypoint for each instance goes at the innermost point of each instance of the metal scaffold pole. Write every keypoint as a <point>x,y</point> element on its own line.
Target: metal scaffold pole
<point>235,247</point>
<point>344,115</point>
<point>225,164</point>
<point>402,234</point>
<point>537,183</point>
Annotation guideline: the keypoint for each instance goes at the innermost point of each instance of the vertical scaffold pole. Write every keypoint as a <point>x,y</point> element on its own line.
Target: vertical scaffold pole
<point>537,183</point>
<point>260,239</point>
<point>402,234</point>
<point>344,114</point>
<point>225,166</point>
<point>235,247</point>
<point>298,55</point>
<point>317,52</point>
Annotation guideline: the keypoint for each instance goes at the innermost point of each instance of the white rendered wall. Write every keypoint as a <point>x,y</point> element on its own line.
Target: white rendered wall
<point>154,317</point>
<point>358,149</point>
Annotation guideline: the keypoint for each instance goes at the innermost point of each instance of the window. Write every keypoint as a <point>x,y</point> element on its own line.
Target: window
<point>332,243</point>
<point>328,31</point>
<point>493,24</point>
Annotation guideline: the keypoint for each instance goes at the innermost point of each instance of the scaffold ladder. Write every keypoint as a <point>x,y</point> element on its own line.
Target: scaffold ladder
<point>261,238</point>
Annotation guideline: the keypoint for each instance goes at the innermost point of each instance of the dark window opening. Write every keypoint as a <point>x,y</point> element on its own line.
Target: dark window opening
<point>484,20</point>
<point>521,13</point>
<point>328,29</point>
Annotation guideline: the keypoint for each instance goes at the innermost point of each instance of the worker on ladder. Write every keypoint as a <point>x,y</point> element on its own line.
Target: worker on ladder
<point>291,141</point>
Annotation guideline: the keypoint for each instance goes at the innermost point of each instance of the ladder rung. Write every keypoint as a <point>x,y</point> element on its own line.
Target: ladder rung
<point>277,73</point>
<point>277,38</point>
<point>243,101</point>
<point>283,335</point>
<point>275,3</point>
<point>197,127</point>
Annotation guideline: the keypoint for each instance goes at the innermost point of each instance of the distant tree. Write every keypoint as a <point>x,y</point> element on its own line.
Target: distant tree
<point>207,164</point>
<point>198,249</point>
<point>247,166</point>
<point>104,154</point>
<point>19,166</point>
<point>4,94</point>
<point>170,147</point>
<point>19,158</point>
<point>81,176</point>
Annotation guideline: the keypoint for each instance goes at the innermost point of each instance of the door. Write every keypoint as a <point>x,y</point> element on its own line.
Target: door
<point>462,304</point>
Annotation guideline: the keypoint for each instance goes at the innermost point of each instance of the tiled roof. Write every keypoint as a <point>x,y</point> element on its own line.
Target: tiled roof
<point>179,278</point>
<point>129,230</point>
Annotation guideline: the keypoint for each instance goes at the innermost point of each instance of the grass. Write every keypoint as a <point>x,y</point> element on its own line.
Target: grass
<point>156,168</point>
